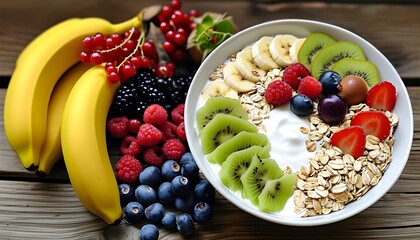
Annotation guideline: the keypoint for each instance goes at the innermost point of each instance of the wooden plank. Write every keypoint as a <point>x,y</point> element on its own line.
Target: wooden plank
<point>52,211</point>
<point>392,28</point>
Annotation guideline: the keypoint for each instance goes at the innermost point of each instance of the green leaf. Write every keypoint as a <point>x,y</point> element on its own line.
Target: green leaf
<point>224,25</point>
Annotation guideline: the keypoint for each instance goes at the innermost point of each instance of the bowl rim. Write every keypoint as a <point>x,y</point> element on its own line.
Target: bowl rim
<point>226,193</point>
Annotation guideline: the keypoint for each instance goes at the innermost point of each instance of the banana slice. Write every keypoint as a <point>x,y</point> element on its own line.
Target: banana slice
<point>279,49</point>
<point>261,54</point>
<point>235,80</point>
<point>217,88</point>
<point>246,66</point>
<point>294,49</point>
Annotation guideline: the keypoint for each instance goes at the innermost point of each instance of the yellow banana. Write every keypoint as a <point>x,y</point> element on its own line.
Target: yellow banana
<point>83,139</point>
<point>36,73</point>
<point>51,149</point>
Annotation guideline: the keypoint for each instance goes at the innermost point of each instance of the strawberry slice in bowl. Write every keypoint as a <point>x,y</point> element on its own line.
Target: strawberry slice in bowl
<point>373,123</point>
<point>382,96</point>
<point>350,140</point>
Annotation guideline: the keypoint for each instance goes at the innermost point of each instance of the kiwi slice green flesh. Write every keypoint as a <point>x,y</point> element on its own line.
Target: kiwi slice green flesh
<point>239,142</point>
<point>219,104</point>
<point>236,164</point>
<point>362,68</point>
<point>312,45</point>
<point>221,128</point>
<point>333,53</point>
<point>276,192</point>
<point>258,173</point>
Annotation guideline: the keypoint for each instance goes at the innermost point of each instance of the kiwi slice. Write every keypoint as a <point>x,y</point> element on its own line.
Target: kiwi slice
<point>219,104</point>
<point>333,53</point>
<point>276,192</point>
<point>258,173</point>
<point>236,164</point>
<point>221,128</point>
<point>311,46</point>
<point>242,140</point>
<point>362,68</point>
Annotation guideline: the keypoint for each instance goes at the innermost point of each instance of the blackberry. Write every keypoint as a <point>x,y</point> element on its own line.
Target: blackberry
<point>125,99</point>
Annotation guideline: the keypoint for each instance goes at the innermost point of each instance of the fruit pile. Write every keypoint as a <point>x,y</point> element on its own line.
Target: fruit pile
<point>85,75</point>
<point>319,77</point>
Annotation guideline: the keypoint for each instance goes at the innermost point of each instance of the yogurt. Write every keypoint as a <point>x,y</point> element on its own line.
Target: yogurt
<point>287,141</point>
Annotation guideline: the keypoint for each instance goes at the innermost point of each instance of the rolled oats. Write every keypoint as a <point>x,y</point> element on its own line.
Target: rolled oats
<point>340,177</point>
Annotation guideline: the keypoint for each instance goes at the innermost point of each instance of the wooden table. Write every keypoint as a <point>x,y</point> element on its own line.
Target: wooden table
<point>36,208</point>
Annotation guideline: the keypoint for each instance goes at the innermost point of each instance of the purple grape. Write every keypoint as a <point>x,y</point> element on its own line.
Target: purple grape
<point>332,109</point>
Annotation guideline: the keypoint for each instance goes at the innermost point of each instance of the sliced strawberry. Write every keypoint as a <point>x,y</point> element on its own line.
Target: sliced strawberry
<point>382,96</point>
<point>350,140</point>
<point>373,123</point>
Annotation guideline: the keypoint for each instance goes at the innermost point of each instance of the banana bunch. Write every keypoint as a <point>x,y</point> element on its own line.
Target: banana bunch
<point>252,63</point>
<point>38,68</point>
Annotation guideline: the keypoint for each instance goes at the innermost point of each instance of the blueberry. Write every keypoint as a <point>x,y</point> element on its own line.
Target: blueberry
<point>181,186</point>
<point>204,192</point>
<point>330,81</point>
<point>185,204</point>
<point>169,220</point>
<point>186,157</point>
<point>190,171</point>
<point>150,176</point>
<point>170,169</point>
<point>149,232</point>
<point>301,105</point>
<point>165,193</point>
<point>134,212</point>
<point>126,193</point>
<point>146,195</point>
<point>185,224</point>
<point>154,212</point>
<point>203,212</point>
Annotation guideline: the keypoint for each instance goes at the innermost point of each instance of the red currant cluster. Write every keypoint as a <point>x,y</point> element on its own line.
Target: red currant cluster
<point>122,53</point>
<point>176,26</point>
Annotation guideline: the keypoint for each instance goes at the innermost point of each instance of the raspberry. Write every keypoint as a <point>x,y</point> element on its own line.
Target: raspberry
<point>128,169</point>
<point>177,114</point>
<point>293,74</point>
<point>169,130</point>
<point>149,135</point>
<point>153,156</point>
<point>130,146</point>
<point>310,87</point>
<point>134,125</point>
<point>117,126</point>
<point>278,92</point>
<point>155,114</point>
<point>173,149</point>
<point>180,131</point>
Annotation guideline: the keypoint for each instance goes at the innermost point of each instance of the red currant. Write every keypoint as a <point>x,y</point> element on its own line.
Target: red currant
<point>170,36</point>
<point>178,18</point>
<point>85,57</point>
<point>128,69</point>
<point>178,55</point>
<point>150,51</point>
<point>165,14</point>
<point>96,58</point>
<point>87,42</point>
<point>194,13</point>
<point>179,39</point>
<point>176,4</point>
<point>136,61</point>
<point>113,77</point>
<point>117,39</point>
<point>165,27</point>
<point>169,47</point>
<point>99,40</point>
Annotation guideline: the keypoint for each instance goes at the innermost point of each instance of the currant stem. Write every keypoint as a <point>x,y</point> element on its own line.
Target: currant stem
<point>140,42</point>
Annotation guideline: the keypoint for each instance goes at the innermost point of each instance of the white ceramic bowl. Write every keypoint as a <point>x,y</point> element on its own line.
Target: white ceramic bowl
<point>301,28</point>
